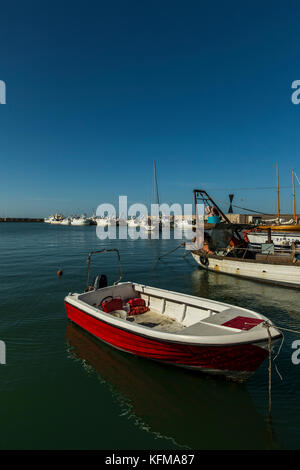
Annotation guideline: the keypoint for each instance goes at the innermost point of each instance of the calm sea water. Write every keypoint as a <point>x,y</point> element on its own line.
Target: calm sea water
<point>61,389</point>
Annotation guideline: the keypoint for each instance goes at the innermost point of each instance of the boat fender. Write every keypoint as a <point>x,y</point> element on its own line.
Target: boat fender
<point>204,260</point>
<point>245,236</point>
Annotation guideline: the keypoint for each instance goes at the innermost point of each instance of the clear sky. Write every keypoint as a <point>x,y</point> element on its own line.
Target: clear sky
<point>97,90</point>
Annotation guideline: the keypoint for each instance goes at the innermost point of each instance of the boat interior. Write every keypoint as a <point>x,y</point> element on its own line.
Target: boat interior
<point>174,313</point>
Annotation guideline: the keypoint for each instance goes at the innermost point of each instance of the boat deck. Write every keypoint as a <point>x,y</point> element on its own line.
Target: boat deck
<point>157,321</point>
<point>210,326</point>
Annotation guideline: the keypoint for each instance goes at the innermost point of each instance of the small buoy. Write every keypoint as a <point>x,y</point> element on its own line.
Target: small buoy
<point>59,272</point>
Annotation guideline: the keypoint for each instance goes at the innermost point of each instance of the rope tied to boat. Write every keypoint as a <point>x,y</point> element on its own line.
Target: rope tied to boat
<point>171,251</point>
<point>269,325</point>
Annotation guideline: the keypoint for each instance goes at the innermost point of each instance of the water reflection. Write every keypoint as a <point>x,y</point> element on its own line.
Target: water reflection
<point>249,294</point>
<point>198,412</point>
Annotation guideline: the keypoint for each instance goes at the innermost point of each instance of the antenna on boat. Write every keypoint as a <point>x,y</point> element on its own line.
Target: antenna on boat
<point>278,193</point>
<point>294,201</point>
<point>230,211</point>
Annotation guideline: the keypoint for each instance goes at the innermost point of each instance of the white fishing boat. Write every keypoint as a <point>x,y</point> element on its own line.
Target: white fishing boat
<point>56,219</point>
<point>277,269</point>
<point>150,225</point>
<point>280,224</point>
<point>102,221</point>
<point>225,251</point>
<point>280,239</point>
<point>66,221</point>
<point>173,328</point>
<point>93,220</point>
<point>133,222</point>
<point>184,223</point>
<point>166,221</point>
<point>112,221</point>
<point>106,221</point>
<point>83,220</point>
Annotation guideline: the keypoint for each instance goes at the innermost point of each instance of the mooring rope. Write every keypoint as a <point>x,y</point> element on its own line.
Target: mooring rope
<point>268,325</point>
<point>171,251</point>
<point>286,329</point>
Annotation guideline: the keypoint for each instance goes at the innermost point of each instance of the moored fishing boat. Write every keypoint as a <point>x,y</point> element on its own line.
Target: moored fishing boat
<point>56,219</point>
<point>281,224</point>
<point>279,239</point>
<point>281,227</point>
<point>133,222</point>
<point>185,223</point>
<point>173,328</point>
<point>66,221</point>
<point>83,220</point>
<point>227,250</point>
<point>102,221</point>
<point>280,269</point>
<point>150,224</point>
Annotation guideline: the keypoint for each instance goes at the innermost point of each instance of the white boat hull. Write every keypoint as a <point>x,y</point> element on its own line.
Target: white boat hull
<point>150,228</point>
<point>133,223</point>
<point>80,222</point>
<point>280,240</point>
<point>102,222</point>
<point>286,275</point>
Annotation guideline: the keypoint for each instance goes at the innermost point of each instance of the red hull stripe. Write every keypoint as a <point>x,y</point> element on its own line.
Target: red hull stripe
<point>244,357</point>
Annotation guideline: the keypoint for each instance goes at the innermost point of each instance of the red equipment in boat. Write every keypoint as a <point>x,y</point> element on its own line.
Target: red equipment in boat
<point>137,302</point>
<point>138,310</point>
<point>137,306</point>
<point>112,304</point>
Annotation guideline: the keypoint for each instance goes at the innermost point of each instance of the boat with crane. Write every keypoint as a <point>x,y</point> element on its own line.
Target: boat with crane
<point>226,249</point>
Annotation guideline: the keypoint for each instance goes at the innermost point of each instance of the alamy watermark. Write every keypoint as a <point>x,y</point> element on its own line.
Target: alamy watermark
<point>2,92</point>
<point>296,354</point>
<point>136,222</point>
<point>2,352</point>
<point>296,94</point>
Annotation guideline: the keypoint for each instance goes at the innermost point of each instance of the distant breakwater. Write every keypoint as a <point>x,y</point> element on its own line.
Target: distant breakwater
<point>18,219</point>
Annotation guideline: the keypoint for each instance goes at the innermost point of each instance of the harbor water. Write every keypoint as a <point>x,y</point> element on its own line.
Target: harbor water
<point>61,389</point>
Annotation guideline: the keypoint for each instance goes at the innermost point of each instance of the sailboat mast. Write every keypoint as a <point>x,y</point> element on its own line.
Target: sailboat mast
<point>156,197</point>
<point>294,201</point>
<point>278,193</point>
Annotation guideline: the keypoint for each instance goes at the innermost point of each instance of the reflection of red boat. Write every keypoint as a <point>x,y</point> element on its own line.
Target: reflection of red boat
<point>172,403</point>
<point>177,329</point>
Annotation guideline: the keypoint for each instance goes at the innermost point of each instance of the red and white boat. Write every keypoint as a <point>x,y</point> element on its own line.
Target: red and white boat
<point>173,328</point>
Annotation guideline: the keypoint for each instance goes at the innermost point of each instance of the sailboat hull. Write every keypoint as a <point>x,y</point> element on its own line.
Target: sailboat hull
<point>286,228</point>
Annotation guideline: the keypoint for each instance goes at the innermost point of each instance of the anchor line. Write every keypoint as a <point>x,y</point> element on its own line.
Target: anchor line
<point>268,325</point>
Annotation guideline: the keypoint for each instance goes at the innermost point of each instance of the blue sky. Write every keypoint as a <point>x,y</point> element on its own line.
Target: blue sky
<point>97,90</point>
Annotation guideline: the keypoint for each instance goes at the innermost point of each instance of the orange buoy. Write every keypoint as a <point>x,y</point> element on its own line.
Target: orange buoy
<point>59,272</point>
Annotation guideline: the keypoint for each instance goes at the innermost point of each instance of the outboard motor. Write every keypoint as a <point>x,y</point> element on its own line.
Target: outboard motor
<point>100,281</point>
